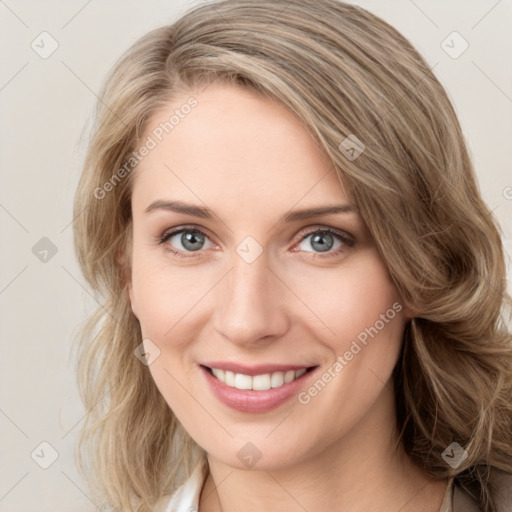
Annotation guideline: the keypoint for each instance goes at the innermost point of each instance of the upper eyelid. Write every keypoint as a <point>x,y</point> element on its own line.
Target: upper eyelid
<point>179,229</point>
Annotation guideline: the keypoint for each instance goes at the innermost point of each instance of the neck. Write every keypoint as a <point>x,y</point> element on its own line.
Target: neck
<point>365,469</point>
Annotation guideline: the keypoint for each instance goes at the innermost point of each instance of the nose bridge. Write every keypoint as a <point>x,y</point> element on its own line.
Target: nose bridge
<point>247,305</point>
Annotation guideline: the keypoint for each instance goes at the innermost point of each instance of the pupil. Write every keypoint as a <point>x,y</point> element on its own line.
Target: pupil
<point>189,241</point>
<point>322,247</point>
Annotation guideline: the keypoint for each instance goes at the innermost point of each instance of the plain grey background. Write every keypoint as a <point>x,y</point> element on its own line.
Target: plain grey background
<point>46,102</point>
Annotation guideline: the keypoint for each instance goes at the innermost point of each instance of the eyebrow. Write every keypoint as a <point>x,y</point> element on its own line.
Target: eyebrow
<point>206,213</point>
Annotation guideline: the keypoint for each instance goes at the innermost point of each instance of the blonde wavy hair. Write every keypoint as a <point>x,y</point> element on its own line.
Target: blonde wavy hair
<point>342,71</point>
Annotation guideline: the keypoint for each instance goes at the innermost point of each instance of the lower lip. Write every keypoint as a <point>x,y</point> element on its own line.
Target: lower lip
<point>249,400</point>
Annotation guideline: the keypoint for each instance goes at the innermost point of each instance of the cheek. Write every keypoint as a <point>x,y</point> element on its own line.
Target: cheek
<point>361,324</point>
<point>351,298</point>
<point>362,328</point>
<point>164,294</point>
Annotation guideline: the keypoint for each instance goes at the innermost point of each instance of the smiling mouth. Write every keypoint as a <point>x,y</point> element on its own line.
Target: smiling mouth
<point>260,382</point>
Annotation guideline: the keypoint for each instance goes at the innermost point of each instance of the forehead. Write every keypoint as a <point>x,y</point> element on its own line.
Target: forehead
<point>233,147</point>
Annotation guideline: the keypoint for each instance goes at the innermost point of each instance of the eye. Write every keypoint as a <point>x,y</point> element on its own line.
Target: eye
<point>186,240</point>
<point>323,240</point>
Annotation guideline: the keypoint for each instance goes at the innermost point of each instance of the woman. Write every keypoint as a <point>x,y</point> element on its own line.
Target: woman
<point>303,290</point>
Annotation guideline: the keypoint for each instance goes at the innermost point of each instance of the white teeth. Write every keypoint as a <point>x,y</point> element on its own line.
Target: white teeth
<point>277,379</point>
<point>289,376</point>
<point>243,381</point>
<point>229,378</point>
<point>219,374</point>
<point>257,382</point>
<point>261,382</point>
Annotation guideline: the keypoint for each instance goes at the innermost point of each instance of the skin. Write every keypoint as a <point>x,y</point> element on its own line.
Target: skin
<point>251,162</point>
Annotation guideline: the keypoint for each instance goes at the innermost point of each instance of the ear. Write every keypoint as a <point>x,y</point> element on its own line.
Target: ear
<point>410,312</point>
<point>131,299</point>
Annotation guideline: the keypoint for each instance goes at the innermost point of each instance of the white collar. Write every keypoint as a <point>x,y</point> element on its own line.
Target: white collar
<point>186,497</point>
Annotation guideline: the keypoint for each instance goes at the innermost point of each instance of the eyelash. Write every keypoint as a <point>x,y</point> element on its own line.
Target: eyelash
<point>345,238</point>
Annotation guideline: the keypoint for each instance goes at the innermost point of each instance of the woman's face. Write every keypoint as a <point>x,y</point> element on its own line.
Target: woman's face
<point>254,287</point>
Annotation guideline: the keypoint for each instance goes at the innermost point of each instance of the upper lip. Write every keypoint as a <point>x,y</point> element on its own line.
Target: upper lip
<point>259,369</point>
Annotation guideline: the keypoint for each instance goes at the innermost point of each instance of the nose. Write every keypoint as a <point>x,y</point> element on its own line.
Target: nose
<point>250,306</point>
